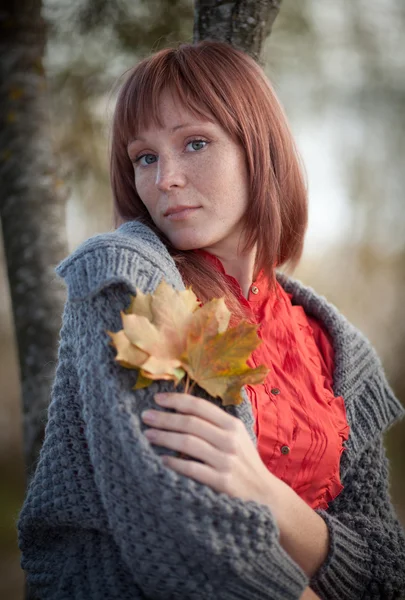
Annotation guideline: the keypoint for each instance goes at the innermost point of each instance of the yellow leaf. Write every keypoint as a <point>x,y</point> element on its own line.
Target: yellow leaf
<point>172,312</point>
<point>142,333</point>
<point>156,368</point>
<point>154,332</point>
<point>127,355</point>
<point>213,318</point>
<point>142,382</point>
<point>218,363</point>
<point>232,384</point>
<point>175,375</point>
<point>140,305</point>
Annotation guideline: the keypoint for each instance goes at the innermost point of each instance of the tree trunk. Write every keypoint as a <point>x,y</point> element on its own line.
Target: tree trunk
<point>32,211</point>
<point>244,24</point>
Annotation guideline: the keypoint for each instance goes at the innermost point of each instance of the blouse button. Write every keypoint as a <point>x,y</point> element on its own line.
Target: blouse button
<point>275,391</point>
<point>285,449</point>
<point>254,289</point>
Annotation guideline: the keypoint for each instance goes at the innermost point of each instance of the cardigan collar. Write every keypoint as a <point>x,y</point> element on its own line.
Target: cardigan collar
<point>126,254</point>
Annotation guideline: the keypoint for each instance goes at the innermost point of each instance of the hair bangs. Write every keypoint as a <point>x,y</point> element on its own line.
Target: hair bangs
<point>138,107</point>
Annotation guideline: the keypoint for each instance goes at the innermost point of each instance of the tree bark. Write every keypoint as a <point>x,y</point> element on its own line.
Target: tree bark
<point>245,24</point>
<point>32,211</point>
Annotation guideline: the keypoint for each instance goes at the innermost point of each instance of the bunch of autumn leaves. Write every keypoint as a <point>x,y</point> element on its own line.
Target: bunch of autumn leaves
<point>168,335</point>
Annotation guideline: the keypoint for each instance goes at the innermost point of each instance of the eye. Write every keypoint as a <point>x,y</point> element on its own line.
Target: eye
<point>197,144</point>
<point>149,159</point>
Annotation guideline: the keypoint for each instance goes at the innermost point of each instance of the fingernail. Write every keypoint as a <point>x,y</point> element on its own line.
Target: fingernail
<point>148,415</point>
<point>161,398</point>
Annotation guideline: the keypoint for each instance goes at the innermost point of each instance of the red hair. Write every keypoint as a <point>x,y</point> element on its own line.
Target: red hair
<point>212,78</point>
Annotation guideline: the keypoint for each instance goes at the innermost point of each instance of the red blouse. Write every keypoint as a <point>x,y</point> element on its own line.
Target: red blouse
<point>299,423</point>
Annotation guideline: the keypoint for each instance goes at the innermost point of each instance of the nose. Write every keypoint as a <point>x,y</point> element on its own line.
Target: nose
<point>169,174</point>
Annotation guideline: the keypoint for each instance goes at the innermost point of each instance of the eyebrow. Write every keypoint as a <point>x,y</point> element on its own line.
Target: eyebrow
<point>172,130</point>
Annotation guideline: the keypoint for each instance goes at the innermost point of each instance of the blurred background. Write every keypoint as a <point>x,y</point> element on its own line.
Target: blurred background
<point>339,70</point>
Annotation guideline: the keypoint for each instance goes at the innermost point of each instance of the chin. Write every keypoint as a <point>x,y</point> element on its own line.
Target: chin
<point>187,242</point>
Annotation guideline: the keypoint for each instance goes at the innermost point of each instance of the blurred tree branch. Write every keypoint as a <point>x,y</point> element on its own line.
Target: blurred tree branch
<point>245,24</point>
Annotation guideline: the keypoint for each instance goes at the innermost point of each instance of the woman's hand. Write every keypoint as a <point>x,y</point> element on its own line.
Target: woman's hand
<point>232,465</point>
<point>309,595</point>
<point>230,461</point>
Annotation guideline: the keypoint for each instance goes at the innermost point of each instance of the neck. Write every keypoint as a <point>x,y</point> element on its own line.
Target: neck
<point>239,266</point>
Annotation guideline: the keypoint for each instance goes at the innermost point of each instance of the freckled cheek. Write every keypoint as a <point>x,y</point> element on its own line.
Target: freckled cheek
<point>211,177</point>
<point>146,191</point>
<point>223,183</point>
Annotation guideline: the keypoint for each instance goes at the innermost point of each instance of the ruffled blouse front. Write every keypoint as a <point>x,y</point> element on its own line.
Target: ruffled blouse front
<point>300,424</point>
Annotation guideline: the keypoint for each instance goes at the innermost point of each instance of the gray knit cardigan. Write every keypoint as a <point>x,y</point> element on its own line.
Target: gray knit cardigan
<point>103,518</point>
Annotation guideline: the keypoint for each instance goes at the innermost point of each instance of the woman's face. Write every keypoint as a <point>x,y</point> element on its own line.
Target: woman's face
<point>192,167</point>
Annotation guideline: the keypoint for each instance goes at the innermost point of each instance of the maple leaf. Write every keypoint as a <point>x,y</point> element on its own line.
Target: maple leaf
<point>213,317</point>
<point>154,333</point>
<point>218,363</point>
<point>167,334</point>
<point>128,355</point>
<point>141,305</point>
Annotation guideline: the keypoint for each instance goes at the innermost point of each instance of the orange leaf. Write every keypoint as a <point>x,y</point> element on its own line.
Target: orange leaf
<point>218,363</point>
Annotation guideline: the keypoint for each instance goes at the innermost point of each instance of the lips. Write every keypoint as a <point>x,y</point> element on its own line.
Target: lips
<point>176,209</point>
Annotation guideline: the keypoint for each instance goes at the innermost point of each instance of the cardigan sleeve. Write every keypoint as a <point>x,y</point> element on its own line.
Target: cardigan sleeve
<point>176,538</point>
<point>366,556</point>
<point>75,563</point>
<point>67,550</point>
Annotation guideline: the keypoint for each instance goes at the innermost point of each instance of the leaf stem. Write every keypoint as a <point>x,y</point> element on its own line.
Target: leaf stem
<point>187,387</point>
<point>187,384</point>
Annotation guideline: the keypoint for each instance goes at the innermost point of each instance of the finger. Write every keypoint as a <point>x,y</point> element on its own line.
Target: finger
<point>199,407</point>
<point>187,444</point>
<point>192,425</point>
<point>197,471</point>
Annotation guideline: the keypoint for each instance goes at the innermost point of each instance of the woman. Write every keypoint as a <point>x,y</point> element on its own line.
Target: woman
<point>283,496</point>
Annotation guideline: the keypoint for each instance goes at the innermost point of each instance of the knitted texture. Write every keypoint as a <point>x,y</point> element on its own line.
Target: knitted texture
<point>103,518</point>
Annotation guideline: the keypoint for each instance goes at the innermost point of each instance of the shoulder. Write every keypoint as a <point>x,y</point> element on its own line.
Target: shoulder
<point>349,343</point>
<point>131,254</point>
<point>342,332</point>
<point>359,376</point>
